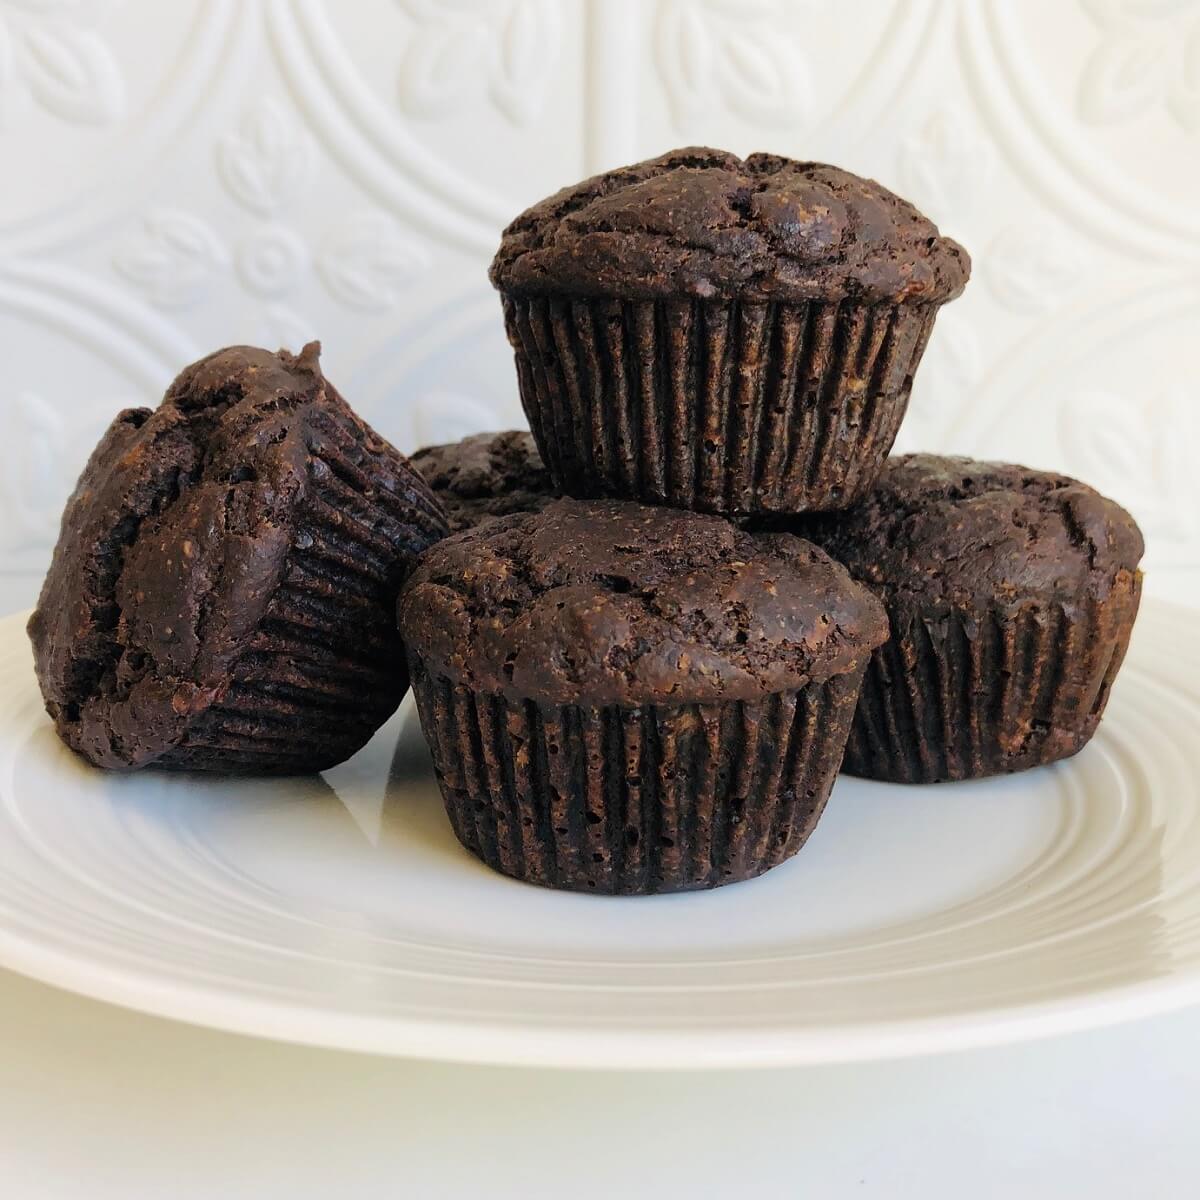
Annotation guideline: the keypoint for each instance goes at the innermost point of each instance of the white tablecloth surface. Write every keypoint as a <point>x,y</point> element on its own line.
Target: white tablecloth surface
<point>99,1103</point>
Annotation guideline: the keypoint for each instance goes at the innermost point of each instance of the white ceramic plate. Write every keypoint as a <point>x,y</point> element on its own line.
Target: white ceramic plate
<point>339,910</point>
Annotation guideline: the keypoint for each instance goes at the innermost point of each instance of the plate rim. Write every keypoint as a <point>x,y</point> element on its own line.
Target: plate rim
<point>589,1047</point>
<point>580,1045</point>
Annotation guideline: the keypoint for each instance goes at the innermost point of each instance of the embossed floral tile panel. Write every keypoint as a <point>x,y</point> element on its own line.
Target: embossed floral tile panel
<point>182,175</point>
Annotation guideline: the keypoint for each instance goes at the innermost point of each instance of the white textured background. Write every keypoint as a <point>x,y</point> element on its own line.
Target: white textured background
<point>180,174</point>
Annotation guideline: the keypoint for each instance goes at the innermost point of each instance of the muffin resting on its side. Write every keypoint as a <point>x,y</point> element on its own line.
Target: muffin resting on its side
<point>221,596</point>
<point>1011,595</point>
<point>486,475</point>
<point>634,699</point>
<point>721,334</point>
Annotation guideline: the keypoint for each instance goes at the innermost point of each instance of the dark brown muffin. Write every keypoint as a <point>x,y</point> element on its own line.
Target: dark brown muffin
<point>486,475</point>
<point>1011,595</point>
<point>221,596</point>
<point>736,336</point>
<point>634,699</point>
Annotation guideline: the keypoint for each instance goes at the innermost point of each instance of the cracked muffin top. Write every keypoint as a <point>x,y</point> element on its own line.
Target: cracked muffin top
<point>608,602</point>
<point>486,475</point>
<point>942,529</point>
<point>705,223</point>
<point>179,535</point>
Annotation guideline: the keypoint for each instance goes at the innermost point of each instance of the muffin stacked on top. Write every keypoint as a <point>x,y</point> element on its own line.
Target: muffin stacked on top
<point>660,618</point>
<point>729,335</point>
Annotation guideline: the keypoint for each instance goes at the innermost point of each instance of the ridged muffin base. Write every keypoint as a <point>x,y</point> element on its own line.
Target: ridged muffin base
<point>717,406</point>
<point>660,798</point>
<point>325,667</point>
<point>986,692</point>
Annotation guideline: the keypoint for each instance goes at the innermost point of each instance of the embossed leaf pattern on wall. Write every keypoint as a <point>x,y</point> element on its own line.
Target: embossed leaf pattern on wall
<point>1140,450</point>
<point>41,455</point>
<point>711,54</point>
<point>295,212</point>
<point>65,67</point>
<point>31,450</point>
<point>265,163</point>
<point>1147,54</point>
<point>367,260</point>
<point>271,260</point>
<point>506,49</point>
<point>364,262</point>
<point>442,67</point>
<point>944,166</point>
<point>1031,267</point>
<point>72,73</point>
<point>172,259</point>
<point>1122,77</point>
<point>528,46</point>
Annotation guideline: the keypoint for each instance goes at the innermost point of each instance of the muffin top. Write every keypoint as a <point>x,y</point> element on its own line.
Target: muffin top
<point>486,475</point>
<point>705,223</point>
<point>178,532</point>
<point>953,530</point>
<point>608,602</point>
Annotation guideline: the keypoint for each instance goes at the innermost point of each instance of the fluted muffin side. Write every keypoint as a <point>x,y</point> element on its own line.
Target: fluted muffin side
<point>726,407</point>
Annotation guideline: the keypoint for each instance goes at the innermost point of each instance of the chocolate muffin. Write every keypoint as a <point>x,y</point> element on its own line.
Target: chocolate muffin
<point>486,475</point>
<point>719,334</point>
<point>630,699</point>
<point>1011,595</point>
<point>221,597</point>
